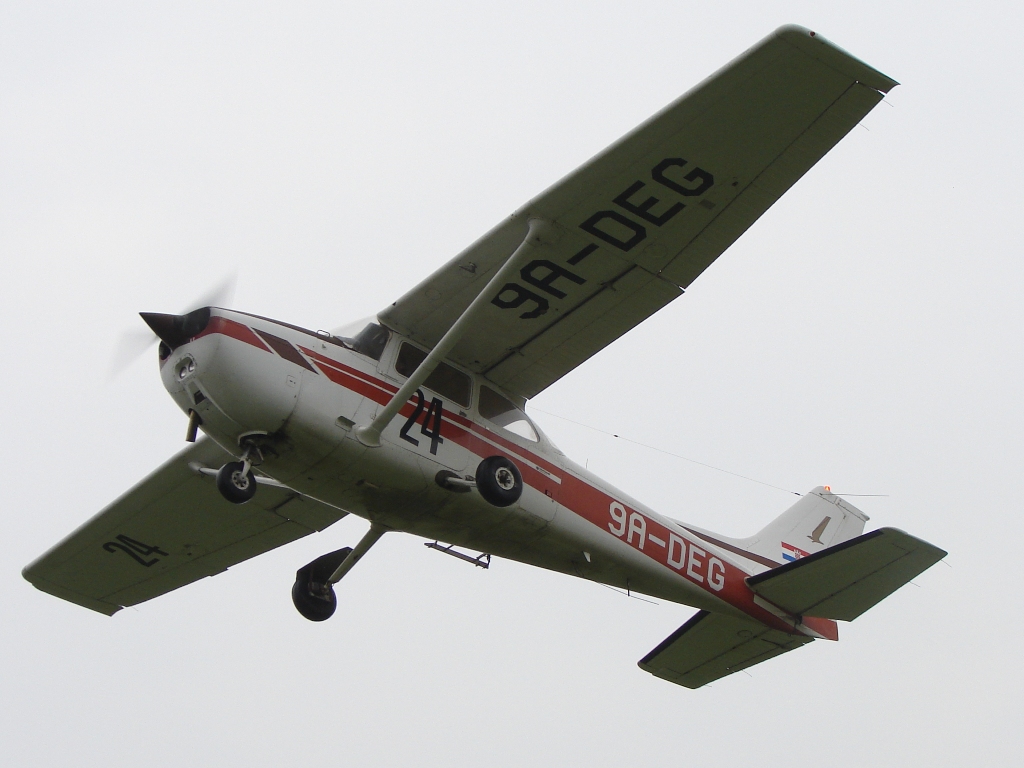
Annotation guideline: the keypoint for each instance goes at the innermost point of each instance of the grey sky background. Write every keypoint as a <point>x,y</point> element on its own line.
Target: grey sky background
<point>866,334</point>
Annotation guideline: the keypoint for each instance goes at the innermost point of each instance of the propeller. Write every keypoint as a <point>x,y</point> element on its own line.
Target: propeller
<point>133,344</point>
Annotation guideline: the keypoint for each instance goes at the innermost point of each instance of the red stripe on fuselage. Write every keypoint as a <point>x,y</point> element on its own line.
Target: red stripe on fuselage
<point>235,330</point>
<point>337,367</point>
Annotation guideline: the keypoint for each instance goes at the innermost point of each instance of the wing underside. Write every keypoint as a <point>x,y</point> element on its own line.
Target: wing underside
<point>634,226</point>
<point>171,529</point>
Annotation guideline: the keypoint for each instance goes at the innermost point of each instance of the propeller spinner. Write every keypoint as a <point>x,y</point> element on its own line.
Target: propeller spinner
<point>172,330</point>
<point>175,330</point>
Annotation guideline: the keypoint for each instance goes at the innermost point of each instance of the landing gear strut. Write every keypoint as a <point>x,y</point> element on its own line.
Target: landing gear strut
<point>235,480</point>
<point>313,590</point>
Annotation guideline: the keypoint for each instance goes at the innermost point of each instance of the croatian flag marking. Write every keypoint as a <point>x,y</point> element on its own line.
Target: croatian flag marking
<point>791,553</point>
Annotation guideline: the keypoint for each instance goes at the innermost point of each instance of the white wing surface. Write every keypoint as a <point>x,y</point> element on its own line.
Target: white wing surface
<point>634,226</point>
<point>170,530</point>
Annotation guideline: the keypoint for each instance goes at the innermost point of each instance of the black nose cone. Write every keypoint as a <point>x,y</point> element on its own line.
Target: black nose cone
<point>175,330</point>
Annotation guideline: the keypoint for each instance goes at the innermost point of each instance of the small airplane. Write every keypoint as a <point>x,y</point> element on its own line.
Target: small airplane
<point>415,419</point>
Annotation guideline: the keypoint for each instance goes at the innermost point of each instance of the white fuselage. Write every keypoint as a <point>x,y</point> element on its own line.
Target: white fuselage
<point>306,391</point>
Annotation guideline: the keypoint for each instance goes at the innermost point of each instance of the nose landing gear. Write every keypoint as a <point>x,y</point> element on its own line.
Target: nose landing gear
<point>235,480</point>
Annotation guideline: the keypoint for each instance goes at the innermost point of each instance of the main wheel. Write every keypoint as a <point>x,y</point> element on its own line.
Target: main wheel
<point>308,594</point>
<point>234,486</point>
<point>499,481</point>
<point>312,600</point>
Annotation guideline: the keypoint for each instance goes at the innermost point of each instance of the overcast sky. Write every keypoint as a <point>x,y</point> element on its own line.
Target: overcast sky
<point>866,333</point>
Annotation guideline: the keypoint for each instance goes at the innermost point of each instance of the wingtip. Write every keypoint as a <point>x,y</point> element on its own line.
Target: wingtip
<point>840,59</point>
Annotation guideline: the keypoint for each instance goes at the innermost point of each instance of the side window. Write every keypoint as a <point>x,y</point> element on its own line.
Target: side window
<point>499,411</point>
<point>445,380</point>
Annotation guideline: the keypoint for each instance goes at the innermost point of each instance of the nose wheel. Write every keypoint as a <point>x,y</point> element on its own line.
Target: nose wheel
<point>235,480</point>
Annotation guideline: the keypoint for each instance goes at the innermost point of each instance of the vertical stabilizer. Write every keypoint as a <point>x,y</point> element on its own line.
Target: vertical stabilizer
<point>819,520</point>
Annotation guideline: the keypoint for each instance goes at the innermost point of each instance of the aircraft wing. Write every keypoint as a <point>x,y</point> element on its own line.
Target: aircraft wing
<point>171,529</point>
<point>713,645</point>
<point>634,226</point>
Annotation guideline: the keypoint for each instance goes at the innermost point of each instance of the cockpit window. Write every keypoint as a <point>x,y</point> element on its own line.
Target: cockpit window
<point>370,341</point>
<point>445,380</point>
<point>500,411</point>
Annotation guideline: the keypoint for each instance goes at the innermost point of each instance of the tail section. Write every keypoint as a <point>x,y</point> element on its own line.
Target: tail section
<point>712,645</point>
<point>833,572</point>
<point>819,520</point>
<point>847,579</point>
<point>839,583</point>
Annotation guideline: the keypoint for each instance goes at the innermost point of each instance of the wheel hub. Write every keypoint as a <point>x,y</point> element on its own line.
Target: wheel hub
<point>505,478</point>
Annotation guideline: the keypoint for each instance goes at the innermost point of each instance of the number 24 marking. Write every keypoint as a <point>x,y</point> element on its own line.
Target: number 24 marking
<point>136,549</point>
<point>431,426</point>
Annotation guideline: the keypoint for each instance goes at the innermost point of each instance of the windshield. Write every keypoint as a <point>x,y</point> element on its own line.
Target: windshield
<point>498,410</point>
<point>365,337</point>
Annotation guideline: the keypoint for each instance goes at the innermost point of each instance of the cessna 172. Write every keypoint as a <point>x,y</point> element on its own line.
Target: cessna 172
<point>415,420</point>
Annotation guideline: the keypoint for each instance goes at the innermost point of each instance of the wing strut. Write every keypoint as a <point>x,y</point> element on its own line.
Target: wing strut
<point>369,435</point>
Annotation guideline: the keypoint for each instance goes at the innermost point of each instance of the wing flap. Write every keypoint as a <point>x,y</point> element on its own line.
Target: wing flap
<point>712,645</point>
<point>170,530</point>
<point>844,581</point>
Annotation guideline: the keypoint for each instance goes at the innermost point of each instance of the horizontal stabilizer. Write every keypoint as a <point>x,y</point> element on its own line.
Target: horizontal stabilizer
<point>713,645</point>
<point>843,581</point>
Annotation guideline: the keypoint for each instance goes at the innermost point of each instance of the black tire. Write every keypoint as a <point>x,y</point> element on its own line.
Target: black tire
<point>308,593</point>
<point>233,485</point>
<point>313,601</point>
<point>499,481</point>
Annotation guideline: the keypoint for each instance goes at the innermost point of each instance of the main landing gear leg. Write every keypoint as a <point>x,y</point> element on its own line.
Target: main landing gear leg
<point>313,590</point>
